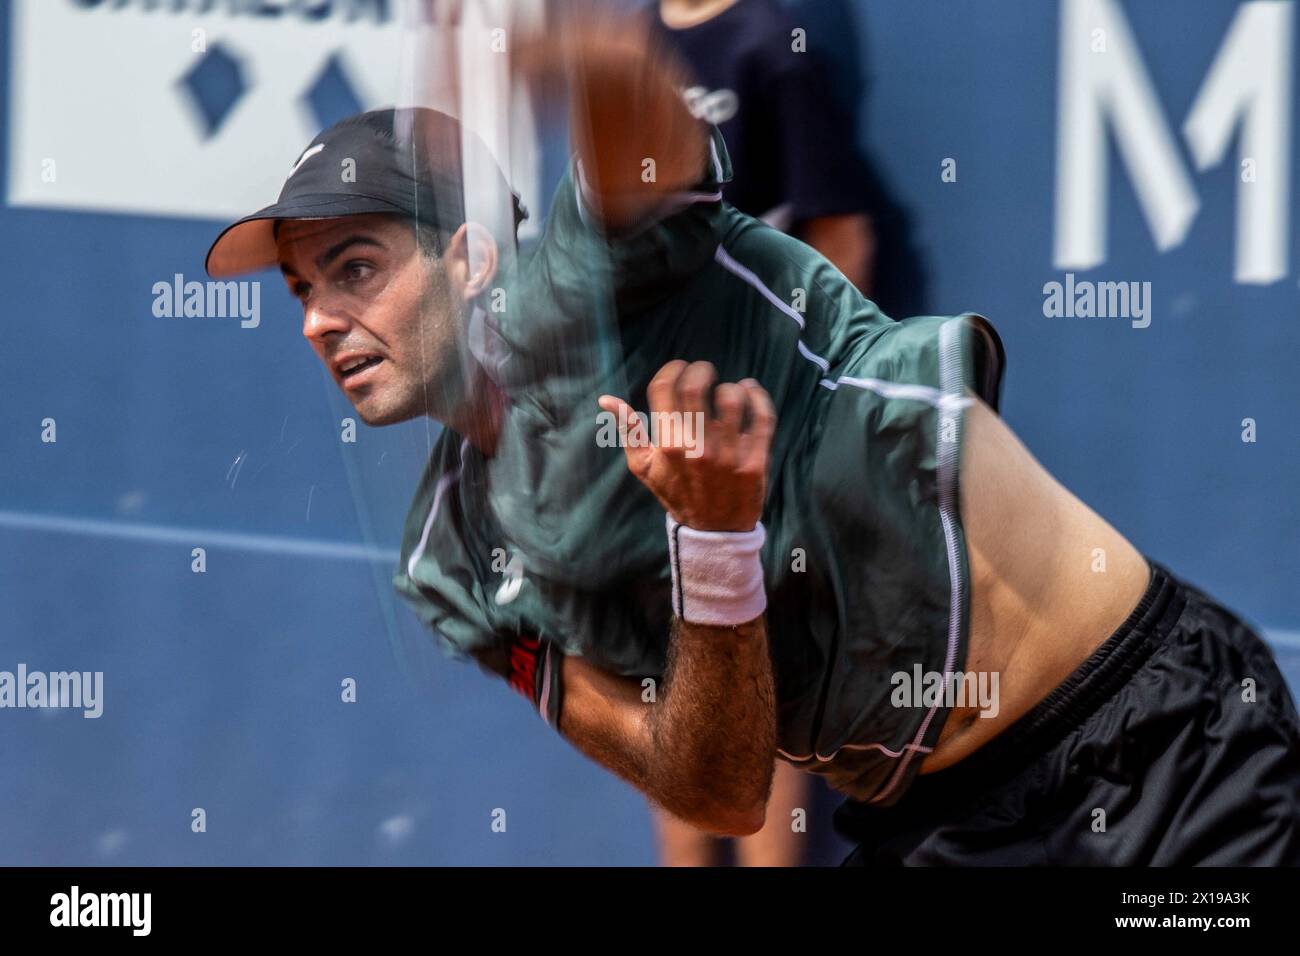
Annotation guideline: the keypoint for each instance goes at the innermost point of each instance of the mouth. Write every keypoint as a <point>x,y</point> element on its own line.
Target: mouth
<point>357,369</point>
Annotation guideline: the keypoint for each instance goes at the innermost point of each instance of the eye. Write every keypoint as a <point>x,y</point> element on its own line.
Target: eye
<point>357,270</point>
<point>299,290</point>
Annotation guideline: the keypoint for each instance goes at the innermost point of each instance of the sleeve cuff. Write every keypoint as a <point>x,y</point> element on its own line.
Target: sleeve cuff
<point>535,673</point>
<point>549,688</point>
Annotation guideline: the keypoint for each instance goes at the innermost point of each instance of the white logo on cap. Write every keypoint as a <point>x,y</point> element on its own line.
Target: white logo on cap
<point>306,156</point>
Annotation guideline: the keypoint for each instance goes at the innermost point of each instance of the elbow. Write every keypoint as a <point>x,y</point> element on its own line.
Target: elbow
<point>728,818</point>
<point>745,822</point>
<point>731,801</point>
<point>727,814</point>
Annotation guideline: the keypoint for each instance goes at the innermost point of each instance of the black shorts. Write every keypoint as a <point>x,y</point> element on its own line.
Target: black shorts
<point>1152,753</point>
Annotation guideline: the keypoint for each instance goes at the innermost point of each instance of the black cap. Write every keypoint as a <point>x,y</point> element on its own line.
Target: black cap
<point>409,161</point>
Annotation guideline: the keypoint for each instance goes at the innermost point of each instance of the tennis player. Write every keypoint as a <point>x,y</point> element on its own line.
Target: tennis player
<point>836,552</point>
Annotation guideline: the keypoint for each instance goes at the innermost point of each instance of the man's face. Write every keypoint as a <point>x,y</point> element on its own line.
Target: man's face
<point>382,316</point>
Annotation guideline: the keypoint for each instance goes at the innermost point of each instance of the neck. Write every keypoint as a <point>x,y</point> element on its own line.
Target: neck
<point>679,14</point>
<point>479,419</point>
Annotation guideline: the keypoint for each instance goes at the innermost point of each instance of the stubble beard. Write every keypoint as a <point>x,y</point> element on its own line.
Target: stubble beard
<point>442,389</point>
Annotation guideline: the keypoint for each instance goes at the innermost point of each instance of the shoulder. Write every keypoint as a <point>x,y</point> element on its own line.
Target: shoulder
<point>766,258</point>
<point>804,296</point>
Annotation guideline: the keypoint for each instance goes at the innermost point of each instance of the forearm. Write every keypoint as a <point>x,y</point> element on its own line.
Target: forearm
<point>636,139</point>
<point>632,132</point>
<point>702,744</point>
<point>716,723</point>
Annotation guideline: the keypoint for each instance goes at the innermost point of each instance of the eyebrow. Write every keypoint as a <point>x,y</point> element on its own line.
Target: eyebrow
<point>336,250</point>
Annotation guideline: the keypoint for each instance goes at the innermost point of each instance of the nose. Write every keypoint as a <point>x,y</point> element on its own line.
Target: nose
<point>320,318</point>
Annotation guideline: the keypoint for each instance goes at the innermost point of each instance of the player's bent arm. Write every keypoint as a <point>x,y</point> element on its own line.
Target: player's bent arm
<point>634,135</point>
<point>702,746</point>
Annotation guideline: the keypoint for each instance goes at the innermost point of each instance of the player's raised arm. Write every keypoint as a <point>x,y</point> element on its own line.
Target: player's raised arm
<point>703,749</point>
<point>633,134</point>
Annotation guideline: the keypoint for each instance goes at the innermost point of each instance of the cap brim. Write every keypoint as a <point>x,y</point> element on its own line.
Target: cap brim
<point>249,244</point>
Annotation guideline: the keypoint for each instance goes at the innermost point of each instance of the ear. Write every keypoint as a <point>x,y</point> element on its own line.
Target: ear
<point>472,259</point>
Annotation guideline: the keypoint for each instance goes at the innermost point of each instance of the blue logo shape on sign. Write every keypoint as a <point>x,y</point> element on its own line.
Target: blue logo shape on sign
<point>214,85</point>
<point>331,96</point>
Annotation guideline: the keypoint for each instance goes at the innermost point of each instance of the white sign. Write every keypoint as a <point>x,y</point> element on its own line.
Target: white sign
<point>105,105</point>
<point>1246,94</point>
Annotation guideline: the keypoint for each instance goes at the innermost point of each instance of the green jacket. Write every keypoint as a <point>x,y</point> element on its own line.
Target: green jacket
<point>552,544</point>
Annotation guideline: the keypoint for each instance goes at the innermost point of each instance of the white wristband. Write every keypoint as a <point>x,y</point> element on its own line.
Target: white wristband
<point>717,575</point>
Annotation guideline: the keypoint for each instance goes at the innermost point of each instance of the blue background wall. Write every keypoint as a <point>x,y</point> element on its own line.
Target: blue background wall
<point>222,689</point>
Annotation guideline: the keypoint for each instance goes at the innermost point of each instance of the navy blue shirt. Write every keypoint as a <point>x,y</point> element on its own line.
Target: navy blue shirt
<point>793,148</point>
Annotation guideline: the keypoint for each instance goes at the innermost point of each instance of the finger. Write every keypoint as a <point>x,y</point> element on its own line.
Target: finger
<point>691,393</point>
<point>689,421</point>
<point>756,441</point>
<point>723,433</point>
<point>746,384</point>
<point>632,434</point>
<point>659,393</point>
